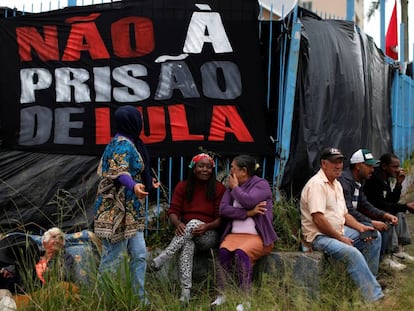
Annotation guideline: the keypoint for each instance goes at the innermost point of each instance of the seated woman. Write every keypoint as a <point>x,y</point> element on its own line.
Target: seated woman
<point>194,212</point>
<point>249,234</point>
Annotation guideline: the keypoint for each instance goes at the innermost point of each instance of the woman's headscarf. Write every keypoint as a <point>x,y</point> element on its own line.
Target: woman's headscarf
<point>128,122</point>
<point>199,157</point>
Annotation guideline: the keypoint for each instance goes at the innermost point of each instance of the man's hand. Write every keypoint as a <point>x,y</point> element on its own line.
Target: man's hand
<point>6,273</point>
<point>379,225</point>
<point>365,228</point>
<point>346,240</point>
<point>391,218</point>
<point>401,176</point>
<point>410,207</point>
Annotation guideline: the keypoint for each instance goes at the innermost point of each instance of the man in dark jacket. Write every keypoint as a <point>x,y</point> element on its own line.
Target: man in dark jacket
<point>352,180</point>
<point>383,190</point>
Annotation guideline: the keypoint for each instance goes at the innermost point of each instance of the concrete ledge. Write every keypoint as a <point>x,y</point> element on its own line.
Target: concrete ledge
<point>304,268</point>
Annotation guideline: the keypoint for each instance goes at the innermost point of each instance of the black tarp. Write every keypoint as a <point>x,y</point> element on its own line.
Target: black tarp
<point>342,97</point>
<point>39,190</point>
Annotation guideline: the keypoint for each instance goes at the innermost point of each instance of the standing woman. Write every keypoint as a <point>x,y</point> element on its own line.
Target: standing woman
<point>194,212</point>
<point>249,234</point>
<point>119,208</point>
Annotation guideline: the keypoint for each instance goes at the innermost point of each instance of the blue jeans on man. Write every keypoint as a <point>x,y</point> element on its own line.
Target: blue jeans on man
<point>396,236</point>
<point>361,260</point>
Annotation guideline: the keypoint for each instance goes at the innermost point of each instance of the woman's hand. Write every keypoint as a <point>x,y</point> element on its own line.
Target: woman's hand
<point>233,181</point>
<point>139,190</point>
<point>155,183</point>
<point>179,229</point>
<point>258,209</point>
<point>200,229</point>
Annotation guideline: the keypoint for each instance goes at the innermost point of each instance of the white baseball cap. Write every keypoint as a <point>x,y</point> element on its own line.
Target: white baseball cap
<point>363,156</point>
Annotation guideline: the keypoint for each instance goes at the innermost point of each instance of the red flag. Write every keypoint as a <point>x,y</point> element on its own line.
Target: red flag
<point>391,39</point>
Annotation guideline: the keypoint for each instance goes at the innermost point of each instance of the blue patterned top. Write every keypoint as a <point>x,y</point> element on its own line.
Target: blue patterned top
<point>119,213</point>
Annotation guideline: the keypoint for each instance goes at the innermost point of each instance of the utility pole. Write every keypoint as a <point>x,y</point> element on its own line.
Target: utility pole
<point>350,10</point>
<point>404,20</point>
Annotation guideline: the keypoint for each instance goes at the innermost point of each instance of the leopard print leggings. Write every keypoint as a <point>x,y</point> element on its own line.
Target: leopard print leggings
<point>187,244</point>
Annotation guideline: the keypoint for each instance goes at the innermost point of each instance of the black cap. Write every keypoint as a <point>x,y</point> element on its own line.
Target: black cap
<point>331,154</point>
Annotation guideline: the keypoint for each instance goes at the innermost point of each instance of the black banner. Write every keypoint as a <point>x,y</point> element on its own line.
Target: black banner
<point>192,69</point>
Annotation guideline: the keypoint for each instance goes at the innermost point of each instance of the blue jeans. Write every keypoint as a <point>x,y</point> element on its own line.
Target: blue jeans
<point>113,255</point>
<point>396,235</point>
<point>371,250</point>
<point>359,260</point>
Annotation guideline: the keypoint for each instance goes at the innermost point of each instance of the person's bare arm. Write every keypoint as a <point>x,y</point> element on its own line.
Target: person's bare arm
<point>326,228</point>
<point>350,221</point>
<point>379,225</point>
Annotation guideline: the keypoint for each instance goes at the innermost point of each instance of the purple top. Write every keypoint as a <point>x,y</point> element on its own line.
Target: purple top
<point>252,192</point>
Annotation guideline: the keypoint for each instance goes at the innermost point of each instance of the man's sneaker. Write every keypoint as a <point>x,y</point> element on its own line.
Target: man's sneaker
<point>185,296</point>
<point>388,262</point>
<point>219,300</point>
<point>404,256</point>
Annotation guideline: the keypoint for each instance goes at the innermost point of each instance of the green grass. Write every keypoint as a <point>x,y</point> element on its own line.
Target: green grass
<point>274,293</point>
<point>336,293</point>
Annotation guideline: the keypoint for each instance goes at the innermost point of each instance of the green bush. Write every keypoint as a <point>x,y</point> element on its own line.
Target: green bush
<point>286,221</point>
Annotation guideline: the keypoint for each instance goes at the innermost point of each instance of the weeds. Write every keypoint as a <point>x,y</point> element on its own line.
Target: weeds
<point>286,221</point>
